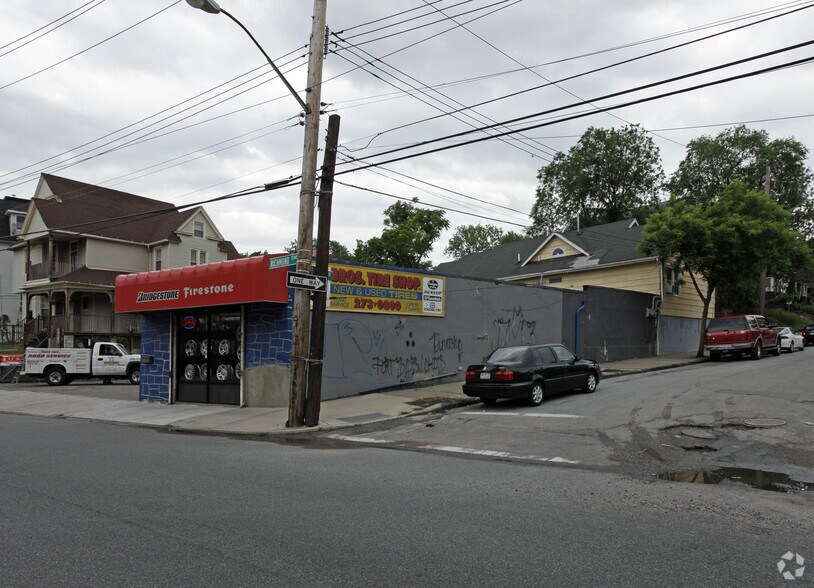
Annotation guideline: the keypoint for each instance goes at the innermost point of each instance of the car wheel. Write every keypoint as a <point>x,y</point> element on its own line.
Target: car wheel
<point>757,351</point>
<point>590,383</point>
<point>536,394</point>
<point>776,350</point>
<point>134,375</point>
<point>488,401</point>
<point>714,355</point>
<point>55,376</point>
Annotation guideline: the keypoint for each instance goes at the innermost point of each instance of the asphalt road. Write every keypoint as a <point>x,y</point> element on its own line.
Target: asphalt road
<point>92,504</point>
<point>647,424</point>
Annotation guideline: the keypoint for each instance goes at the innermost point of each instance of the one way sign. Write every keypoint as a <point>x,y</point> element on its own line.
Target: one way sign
<point>306,281</point>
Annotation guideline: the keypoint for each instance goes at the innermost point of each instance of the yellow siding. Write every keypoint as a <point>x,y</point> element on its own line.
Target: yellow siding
<point>640,277</point>
<point>545,252</point>
<point>687,303</point>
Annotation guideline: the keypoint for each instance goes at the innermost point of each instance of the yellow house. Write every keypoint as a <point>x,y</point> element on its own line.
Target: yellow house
<point>603,255</point>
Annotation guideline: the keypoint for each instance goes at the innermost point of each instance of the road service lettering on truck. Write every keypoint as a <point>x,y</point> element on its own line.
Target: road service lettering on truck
<point>60,366</point>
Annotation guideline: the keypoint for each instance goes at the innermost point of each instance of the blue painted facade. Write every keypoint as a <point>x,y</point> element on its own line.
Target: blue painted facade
<point>156,340</point>
<point>267,340</point>
<point>267,334</point>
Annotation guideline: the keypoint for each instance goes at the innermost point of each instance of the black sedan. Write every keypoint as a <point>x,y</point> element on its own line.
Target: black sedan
<point>530,372</point>
<point>808,335</point>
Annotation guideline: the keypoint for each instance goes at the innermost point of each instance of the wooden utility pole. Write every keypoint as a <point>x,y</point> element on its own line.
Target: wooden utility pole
<point>302,305</point>
<point>767,187</point>
<point>320,299</point>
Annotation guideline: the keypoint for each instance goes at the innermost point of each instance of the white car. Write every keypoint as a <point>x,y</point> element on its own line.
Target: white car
<point>790,340</point>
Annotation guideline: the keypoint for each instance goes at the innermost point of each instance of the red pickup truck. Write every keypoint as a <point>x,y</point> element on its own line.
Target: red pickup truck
<point>740,334</point>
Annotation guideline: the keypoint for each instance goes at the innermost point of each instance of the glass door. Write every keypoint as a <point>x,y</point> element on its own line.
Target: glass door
<point>209,356</point>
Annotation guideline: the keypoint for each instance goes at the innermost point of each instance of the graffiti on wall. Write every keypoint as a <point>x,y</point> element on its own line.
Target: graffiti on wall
<point>401,355</point>
<point>512,328</point>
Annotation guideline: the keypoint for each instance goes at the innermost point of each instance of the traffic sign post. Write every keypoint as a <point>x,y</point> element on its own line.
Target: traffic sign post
<point>306,281</point>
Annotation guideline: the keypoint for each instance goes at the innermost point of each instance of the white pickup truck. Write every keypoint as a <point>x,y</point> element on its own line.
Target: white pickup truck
<point>60,366</point>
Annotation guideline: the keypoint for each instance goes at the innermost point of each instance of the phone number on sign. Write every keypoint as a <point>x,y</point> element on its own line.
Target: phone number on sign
<point>377,304</point>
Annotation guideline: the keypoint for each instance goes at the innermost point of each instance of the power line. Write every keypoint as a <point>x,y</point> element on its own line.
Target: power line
<point>606,97</point>
<point>35,31</point>
<point>591,71</point>
<point>31,75</point>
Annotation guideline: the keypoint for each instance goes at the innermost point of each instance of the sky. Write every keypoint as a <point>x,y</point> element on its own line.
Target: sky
<point>158,99</point>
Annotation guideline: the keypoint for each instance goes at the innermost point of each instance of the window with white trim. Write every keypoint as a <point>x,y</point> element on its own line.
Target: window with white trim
<point>157,257</point>
<point>197,257</point>
<point>672,280</point>
<point>198,229</point>
<point>557,251</point>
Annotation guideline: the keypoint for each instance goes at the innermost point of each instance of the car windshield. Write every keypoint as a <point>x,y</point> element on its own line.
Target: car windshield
<point>736,323</point>
<point>509,355</point>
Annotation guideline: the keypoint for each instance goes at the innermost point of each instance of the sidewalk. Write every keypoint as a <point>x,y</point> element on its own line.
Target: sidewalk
<point>118,403</point>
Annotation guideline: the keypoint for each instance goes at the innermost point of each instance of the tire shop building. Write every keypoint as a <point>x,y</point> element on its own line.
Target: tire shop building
<point>222,332</point>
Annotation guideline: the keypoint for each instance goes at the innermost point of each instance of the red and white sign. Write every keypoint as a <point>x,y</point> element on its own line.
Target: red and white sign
<point>239,281</point>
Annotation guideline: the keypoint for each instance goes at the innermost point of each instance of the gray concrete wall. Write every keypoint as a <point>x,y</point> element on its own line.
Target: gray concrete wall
<point>366,352</point>
<point>613,325</point>
<point>678,335</point>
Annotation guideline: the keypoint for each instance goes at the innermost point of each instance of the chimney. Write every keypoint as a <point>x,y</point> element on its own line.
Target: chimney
<point>518,258</point>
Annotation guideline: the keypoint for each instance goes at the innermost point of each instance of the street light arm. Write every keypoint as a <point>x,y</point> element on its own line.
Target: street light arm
<point>274,67</point>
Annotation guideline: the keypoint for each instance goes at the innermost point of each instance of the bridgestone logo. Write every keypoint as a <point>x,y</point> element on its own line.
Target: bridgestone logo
<point>155,296</point>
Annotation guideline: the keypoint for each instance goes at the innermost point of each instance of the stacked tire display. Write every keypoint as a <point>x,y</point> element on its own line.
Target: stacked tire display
<point>211,350</point>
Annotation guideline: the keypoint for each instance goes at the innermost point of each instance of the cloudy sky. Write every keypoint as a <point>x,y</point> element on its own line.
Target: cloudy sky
<point>161,100</point>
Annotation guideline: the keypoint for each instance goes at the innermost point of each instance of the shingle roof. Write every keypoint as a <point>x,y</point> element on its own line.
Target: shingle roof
<point>6,204</point>
<point>607,244</point>
<point>95,277</point>
<point>85,208</point>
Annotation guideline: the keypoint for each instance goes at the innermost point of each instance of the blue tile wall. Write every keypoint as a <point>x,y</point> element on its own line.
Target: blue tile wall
<point>267,340</point>
<point>267,334</point>
<point>156,338</point>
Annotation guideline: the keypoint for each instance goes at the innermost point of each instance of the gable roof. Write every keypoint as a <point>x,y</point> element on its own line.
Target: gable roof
<point>609,244</point>
<point>87,209</point>
<point>8,206</point>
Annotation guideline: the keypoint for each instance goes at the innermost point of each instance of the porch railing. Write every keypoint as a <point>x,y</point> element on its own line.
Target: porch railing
<point>55,269</point>
<point>39,331</point>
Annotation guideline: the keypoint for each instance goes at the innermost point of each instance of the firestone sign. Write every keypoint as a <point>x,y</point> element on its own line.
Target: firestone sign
<point>239,281</point>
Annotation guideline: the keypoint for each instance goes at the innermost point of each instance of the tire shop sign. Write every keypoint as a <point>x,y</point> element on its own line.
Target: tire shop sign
<point>376,290</point>
<point>238,281</point>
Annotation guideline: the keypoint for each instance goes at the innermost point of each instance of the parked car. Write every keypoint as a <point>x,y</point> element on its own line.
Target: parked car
<point>790,339</point>
<point>530,372</point>
<point>739,335</point>
<point>808,334</point>
<point>59,366</point>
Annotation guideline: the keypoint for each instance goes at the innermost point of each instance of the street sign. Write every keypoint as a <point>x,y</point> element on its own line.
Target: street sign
<point>306,281</point>
<point>283,261</point>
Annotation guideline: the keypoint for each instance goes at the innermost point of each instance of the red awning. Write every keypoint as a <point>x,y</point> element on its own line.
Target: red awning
<point>214,284</point>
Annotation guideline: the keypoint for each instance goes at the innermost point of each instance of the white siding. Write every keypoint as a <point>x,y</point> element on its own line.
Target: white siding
<point>112,255</point>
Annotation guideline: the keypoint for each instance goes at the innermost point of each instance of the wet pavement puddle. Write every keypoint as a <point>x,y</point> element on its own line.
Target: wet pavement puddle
<point>762,480</point>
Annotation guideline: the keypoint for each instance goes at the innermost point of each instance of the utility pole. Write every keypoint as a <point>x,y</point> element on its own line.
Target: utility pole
<point>317,350</point>
<point>302,308</point>
<point>767,187</point>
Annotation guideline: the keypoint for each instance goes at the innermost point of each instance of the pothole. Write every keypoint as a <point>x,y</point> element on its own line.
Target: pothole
<point>760,479</point>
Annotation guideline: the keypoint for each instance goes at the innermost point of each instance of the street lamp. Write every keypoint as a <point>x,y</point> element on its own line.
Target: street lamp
<point>313,92</point>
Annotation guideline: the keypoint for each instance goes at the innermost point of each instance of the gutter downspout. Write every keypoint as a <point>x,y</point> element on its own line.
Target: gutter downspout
<point>576,326</point>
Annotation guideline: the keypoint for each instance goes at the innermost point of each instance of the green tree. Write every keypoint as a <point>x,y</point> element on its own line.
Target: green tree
<point>254,253</point>
<point>473,239</point>
<point>609,175</point>
<point>743,154</point>
<point>335,249</point>
<point>407,238</point>
<point>735,236</point>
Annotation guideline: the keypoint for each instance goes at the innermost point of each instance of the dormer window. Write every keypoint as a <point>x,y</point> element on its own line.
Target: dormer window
<point>198,229</point>
<point>557,252</point>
